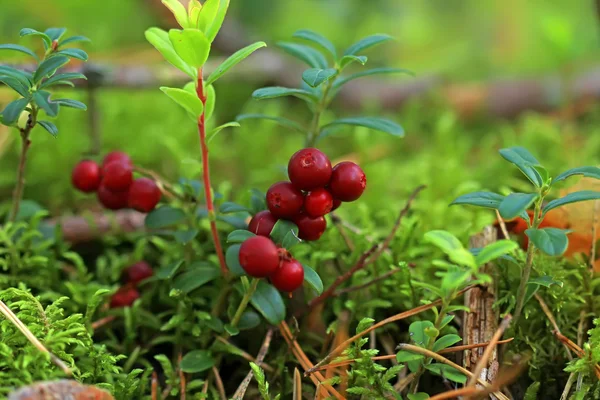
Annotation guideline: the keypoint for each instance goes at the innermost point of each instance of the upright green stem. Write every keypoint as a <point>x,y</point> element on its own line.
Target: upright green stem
<point>313,133</point>
<point>212,217</point>
<point>244,303</point>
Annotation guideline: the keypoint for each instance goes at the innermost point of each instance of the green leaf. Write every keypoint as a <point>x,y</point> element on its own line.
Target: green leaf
<point>196,277</point>
<point>278,91</point>
<point>313,279</point>
<point>74,53</point>
<point>13,111</point>
<point>417,332</point>
<point>33,32</point>
<point>50,127</point>
<point>233,60</point>
<point>480,199</point>
<point>249,320</point>
<point>190,102</point>
<point>406,356</point>
<point>42,99</point>
<point>211,100</point>
<point>232,258</point>
<point>231,330</point>
<point>214,25</point>
<point>268,301</point>
<point>523,160</point>
<point>551,241</point>
<point>15,85</point>
<point>19,48</point>
<point>16,74</point>
<point>445,342</point>
<point>317,39</point>
<point>58,78</point>
<point>169,270</point>
<point>55,33</point>
<point>160,40</point>
<point>288,123</point>
<point>447,372</point>
<point>418,396</point>
<point>375,71</point>
<point>164,216</point>
<point>515,204</point>
<point>574,197</point>
<point>191,45</point>
<point>71,103</point>
<point>179,12</point>
<point>378,124</point>
<point>545,280</point>
<point>347,60</point>
<point>285,233</point>
<point>74,39</point>
<point>49,67</point>
<point>315,77</point>
<point>494,251</point>
<point>196,361</point>
<point>366,43</point>
<point>229,207</point>
<point>211,135</point>
<point>304,53</point>
<point>239,236</point>
<point>185,236</point>
<point>432,288</point>
<point>588,172</point>
<point>450,245</point>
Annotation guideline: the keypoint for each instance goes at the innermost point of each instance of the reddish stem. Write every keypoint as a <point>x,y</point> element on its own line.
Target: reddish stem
<point>206,177</point>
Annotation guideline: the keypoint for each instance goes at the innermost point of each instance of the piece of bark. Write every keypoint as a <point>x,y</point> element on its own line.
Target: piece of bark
<point>481,321</point>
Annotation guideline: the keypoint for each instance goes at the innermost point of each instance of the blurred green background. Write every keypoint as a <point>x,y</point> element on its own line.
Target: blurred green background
<point>461,41</point>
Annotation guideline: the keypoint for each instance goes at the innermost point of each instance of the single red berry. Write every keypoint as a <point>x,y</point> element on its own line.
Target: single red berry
<point>110,199</point>
<point>310,228</point>
<point>309,169</point>
<point>259,256</point>
<point>117,175</point>
<point>262,223</point>
<point>336,204</point>
<point>86,176</point>
<point>144,195</point>
<point>318,203</point>
<point>284,200</point>
<point>116,156</point>
<point>124,297</point>
<point>289,276</point>
<point>348,181</point>
<point>138,272</point>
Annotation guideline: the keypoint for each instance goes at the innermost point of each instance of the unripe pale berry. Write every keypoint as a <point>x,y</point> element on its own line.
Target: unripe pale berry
<point>284,200</point>
<point>309,169</point>
<point>262,223</point>
<point>348,181</point>
<point>259,256</point>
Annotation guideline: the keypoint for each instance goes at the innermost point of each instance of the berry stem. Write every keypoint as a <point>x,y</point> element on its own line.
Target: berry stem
<point>26,143</point>
<point>206,176</point>
<point>315,130</point>
<point>244,303</point>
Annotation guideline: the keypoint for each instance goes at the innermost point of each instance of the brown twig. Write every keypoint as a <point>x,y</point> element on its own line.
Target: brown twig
<point>264,348</point>
<point>568,386</point>
<point>502,225</point>
<point>576,349</point>
<point>367,284</point>
<point>165,187</point>
<point>340,227</point>
<point>219,382</point>
<point>154,386</point>
<point>103,321</point>
<point>552,320</point>
<point>297,390</point>
<point>488,350</point>
<point>182,383</point>
<point>20,186</point>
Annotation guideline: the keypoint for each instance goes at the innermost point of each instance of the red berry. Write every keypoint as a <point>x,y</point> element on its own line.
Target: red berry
<point>110,199</point>
<point>262,223</point>
<point>310,228</point>
<point>86,176</point>
<point>124,297</point>
<point>284,200</point>
<point>336,204</point>
<point>348,181</point>
<point>289,276</point>
<point>318,203</point>
<point>117,175</point>
<point>138,272</point>
<point>259,256</point>
<point>309,169</point>
<point>116,156</point>
<point>144,195</point>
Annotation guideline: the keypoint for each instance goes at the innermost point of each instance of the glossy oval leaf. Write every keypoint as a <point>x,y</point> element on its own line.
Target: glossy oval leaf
<point>163,217</point>
<point>179,12</point>
<point>239,236</point>
<point>574,197</point>
<point>525,161</point>
<point>445,342</point>
<point>480,199</point>
<point>60,77</point>
<point>190,102</point>
<point>191,45</point>
<point>13,110</point>
<point>16,74</point>
<point>196,361</point>
<point>310,56</point>
<point>214,25</point>
<point>515,204</point>
<point>279,91</point>
<point>71,104</point>
<point>211,135</point>
<point>232,258</point>
<point>378,124</point>
<point>552,241</point>
<point>313,279</point>
<point>315,77</point>
<point>588,172</point>
<point>42,99</point>
<point>448,372</point>
<point>230,207</point>
<point>33,32</point>
<point>15,85</point>
<point>233,60</point>
<point>74,53</point>
<point>494,251</point>
<point>50,127</point>
<point>55,33</point>
<point>417,331</point>
<point>287,123</point>
<point>349,59</point>
<point>168,271</point>
<point>268,301</point>
<point>366,43</point>
<point>19,48</point>
<point>249,320</point>
<point>195,278</point>
<point>317,39</point>
<point>375,71</point>
<point>74,39</point>
<point>406,356</point>
<point>450,245</point>
<point>285,233</point>
<point>161,42</point>
<point>48,67</point>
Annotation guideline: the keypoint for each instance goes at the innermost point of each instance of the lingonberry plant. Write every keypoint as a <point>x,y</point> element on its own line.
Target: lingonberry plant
<point>551,241</point>
<point>32,87</point>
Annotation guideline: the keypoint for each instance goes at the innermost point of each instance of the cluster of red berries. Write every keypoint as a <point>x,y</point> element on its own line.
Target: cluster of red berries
<point>114,183</point>
<point>128,293</point>
<point>314,190</point>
